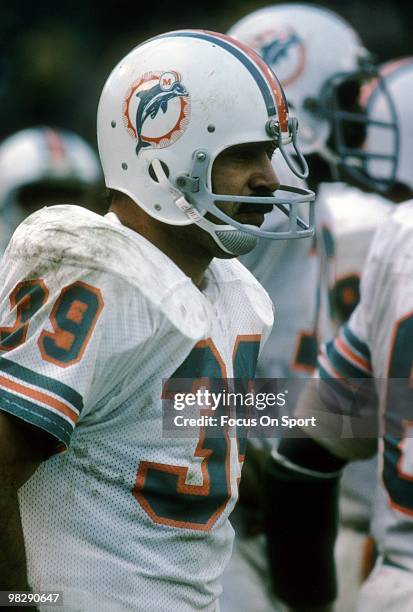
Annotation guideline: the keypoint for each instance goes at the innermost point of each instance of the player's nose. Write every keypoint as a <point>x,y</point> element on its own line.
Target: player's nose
<point>264,177</point>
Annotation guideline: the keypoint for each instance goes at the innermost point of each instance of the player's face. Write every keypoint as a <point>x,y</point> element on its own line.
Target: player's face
<point>245,170</point>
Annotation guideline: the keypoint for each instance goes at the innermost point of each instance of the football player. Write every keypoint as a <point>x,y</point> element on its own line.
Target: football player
<point>41,166</point>
<point>304,44</point>
<point>100,314</point>
<point>374,346</point>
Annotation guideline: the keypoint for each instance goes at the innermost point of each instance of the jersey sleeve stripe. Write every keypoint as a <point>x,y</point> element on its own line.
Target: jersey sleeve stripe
<point>347,353</point>
<point>39,396</point>
<point>357,346</point>
<point>327,372</point>
<point>344,366</point>
<point>325,368</point>
<point>36,415</point>
<point>355,391</point>
<point>45,383</point>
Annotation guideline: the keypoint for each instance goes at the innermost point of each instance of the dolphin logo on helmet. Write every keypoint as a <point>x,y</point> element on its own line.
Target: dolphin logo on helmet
<point>150,102</point>
<point>284,51</point>
<point>278,48</point>
<point>158,123</point>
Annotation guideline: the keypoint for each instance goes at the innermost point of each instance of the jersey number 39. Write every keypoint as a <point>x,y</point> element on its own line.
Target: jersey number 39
<point>73,318</point>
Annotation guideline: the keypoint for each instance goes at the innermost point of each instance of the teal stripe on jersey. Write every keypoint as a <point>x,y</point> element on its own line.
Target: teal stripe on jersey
<point>355,343</point>
<point>42,381</point>
<point>36,415</point>
<point>345,390</point>
<point>345,368</point>
<point>336,387</point>
<point>323,373</point>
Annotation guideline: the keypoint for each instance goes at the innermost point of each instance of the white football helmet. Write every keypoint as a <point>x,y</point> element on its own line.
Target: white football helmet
<point>390,154</point>
<point>321,62</point>
<point>170,107</point>
<point>42,155</point>
<point>45,155</point>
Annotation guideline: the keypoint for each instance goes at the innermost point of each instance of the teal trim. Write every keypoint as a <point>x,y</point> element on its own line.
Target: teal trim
<point>36,415</point>
<point>355,343</point>
<point>343,365</point>
<point>42,381</point>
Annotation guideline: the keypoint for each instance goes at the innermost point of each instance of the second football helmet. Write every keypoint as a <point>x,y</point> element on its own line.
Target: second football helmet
<point>321,62</point>
<point>45,155</point>
<point>389,154</point>
<point>54,160</point>
<point>170,107</point>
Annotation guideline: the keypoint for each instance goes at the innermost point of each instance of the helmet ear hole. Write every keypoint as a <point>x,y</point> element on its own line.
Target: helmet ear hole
<point>152,173</point>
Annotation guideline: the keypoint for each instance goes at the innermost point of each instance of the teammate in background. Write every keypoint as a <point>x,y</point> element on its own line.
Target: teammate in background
<point>98,312</point>
<point>41,166</point>
<point>322,64</point>
<point>305,43</point>
<point>375,345</point>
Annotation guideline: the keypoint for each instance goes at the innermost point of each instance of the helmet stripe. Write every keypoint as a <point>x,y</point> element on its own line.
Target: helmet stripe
<point>386,71</point>
<point>264,77</point>
<point>55,145</point>
<point>269,75</point>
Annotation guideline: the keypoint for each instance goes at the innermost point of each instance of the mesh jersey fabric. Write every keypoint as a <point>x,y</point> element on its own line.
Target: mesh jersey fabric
<point>99,319</point>
<point>377,342</point>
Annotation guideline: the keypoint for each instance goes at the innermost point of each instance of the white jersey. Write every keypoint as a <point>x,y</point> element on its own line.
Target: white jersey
<point>94,319</point>
<point>292,347</point>
<point>295,274</point>
<point>378,342</point>
<point>353,218</point>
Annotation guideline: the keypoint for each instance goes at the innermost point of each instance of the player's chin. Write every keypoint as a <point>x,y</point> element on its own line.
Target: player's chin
<point>256,219</point>
<point>247,214</point>
<point>250,214</point>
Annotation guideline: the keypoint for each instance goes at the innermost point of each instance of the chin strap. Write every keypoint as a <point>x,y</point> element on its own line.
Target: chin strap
<point>177,196</point>
<point>228,238</point>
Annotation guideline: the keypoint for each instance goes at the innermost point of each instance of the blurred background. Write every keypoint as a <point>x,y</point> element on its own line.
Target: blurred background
<point>55,56</point>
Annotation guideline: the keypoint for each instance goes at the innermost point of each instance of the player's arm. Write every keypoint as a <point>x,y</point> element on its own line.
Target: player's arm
<point>302,485</point>
<point>22,449</point>
<point>330,414</point>
<point>302,481</point>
